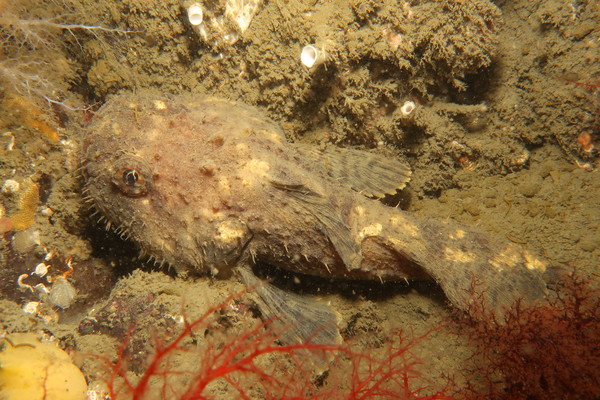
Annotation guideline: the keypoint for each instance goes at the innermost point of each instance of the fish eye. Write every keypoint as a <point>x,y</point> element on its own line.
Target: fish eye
<point>130,177</point>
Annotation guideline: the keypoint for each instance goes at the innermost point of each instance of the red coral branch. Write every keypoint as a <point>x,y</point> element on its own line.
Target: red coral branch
<point>253,365</point>
<point>546,351</point>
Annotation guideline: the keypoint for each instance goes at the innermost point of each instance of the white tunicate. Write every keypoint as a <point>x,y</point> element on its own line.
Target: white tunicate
<point>62,293</point>
<point>231,38</point>
<point>31,307</point>
<point>408,107</point>
<point>195,14</point>
<point>41,270</point>
<point>224,25</point>
<point>311,56</point>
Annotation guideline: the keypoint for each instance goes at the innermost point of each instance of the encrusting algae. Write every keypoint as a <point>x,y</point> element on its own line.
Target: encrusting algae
<point>27,205</point>
<point>38,370</point>
<point>31,116</point>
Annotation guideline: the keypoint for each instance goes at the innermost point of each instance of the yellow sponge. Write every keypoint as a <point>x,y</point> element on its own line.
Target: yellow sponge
<point>30,369</point>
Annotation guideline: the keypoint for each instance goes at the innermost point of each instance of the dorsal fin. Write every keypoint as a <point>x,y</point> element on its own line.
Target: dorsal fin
<point>370,174</point>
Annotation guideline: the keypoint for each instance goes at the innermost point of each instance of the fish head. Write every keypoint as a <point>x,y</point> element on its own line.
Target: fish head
<point>151,171</point>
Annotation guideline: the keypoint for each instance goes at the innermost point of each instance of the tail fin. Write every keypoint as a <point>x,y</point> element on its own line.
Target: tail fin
<point>466,262</point>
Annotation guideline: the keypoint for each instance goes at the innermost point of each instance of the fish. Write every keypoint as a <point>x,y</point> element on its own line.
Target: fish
<point>212,186</point>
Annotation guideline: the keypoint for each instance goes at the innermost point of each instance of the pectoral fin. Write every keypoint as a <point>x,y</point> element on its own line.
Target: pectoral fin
<point>329,219</point>
<point>370,174</point>
<point>305,319</point>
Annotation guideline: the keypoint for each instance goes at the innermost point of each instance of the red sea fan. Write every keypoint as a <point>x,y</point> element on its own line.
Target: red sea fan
<point>544,352</point>
<point>390,377</point>
<point>200,364</point>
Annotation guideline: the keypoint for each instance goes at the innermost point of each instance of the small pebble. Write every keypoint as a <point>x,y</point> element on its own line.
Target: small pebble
<point>531,186</point>
<point>590,242</point>
<point>472,208</point>
<point>10,186</point>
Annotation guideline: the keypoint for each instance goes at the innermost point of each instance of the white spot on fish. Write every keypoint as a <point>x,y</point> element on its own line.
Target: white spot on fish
<point>371,230</point>
<point>458,255</point>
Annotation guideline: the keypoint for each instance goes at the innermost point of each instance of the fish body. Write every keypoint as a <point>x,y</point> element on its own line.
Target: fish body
<point>208,184</point>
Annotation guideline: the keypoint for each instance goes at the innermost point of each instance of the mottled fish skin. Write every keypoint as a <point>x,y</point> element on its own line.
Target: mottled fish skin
<point>206,184</point>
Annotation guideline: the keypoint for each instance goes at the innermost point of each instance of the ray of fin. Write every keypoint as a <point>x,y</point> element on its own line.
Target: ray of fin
<point>370,174</point>
<point>329,220</point>
<point>304,318</point>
